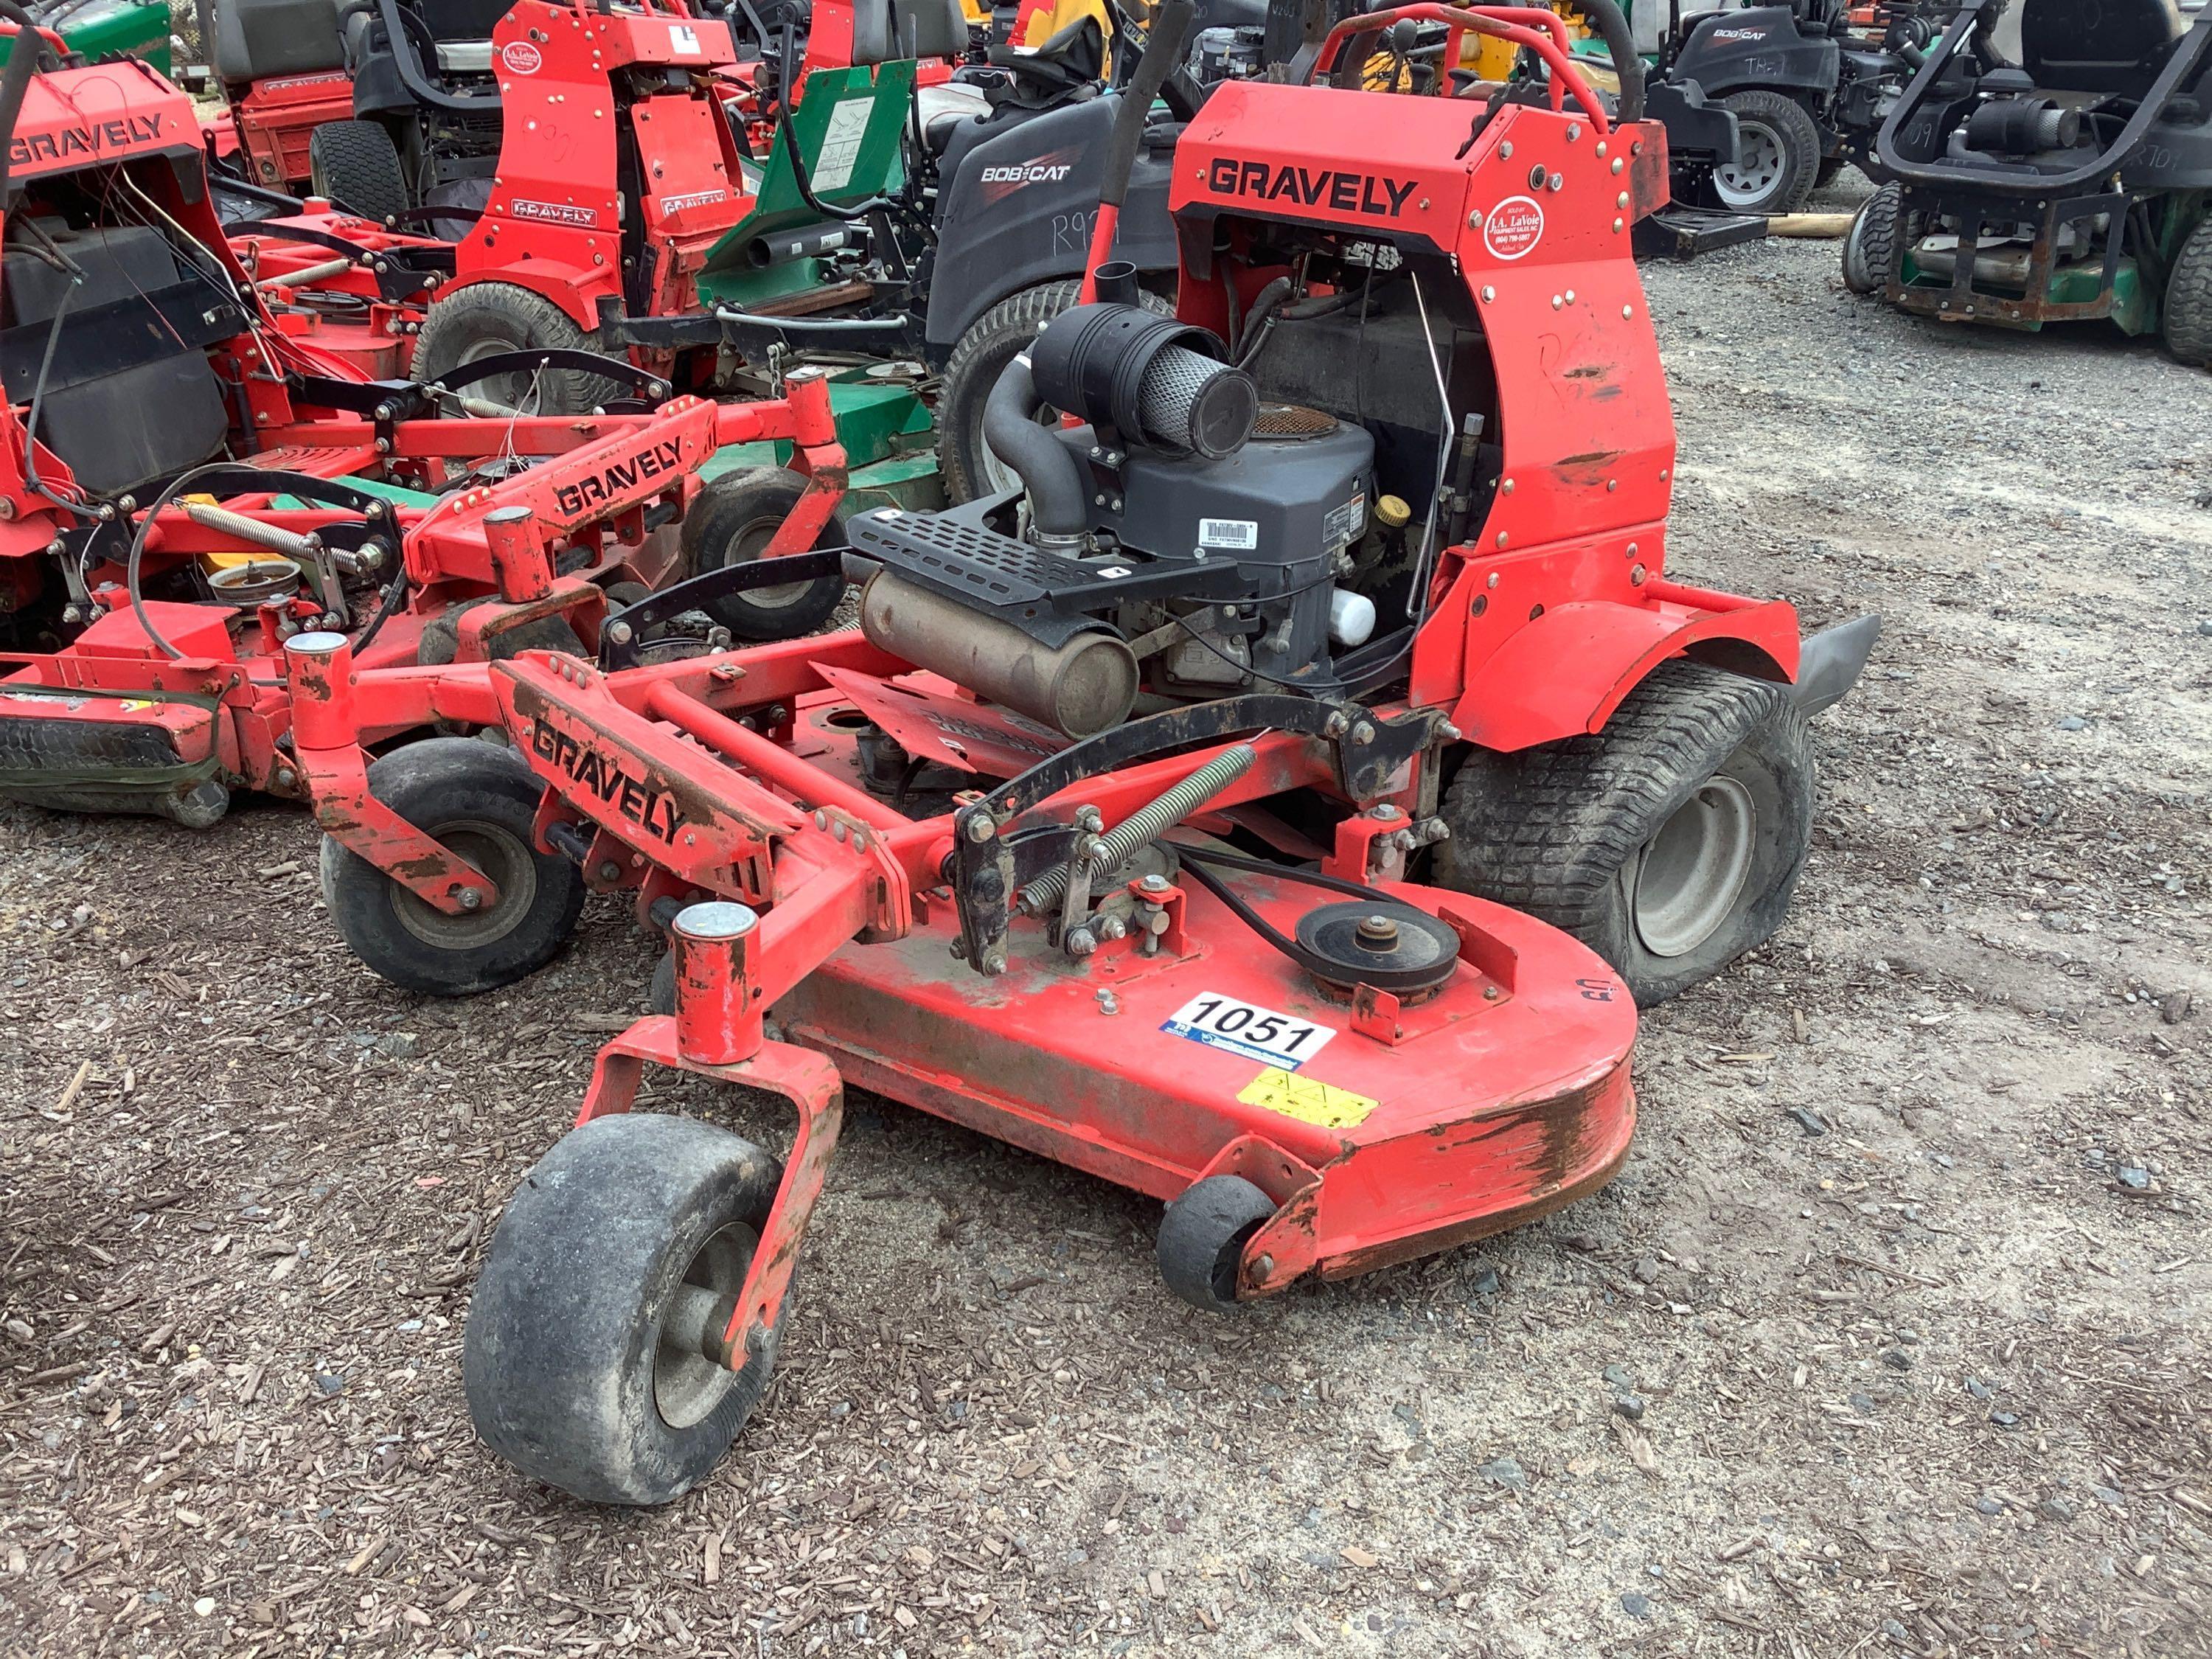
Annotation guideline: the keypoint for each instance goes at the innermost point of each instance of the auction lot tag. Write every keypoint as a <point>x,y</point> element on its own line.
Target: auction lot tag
<point>1306,1099</point>
<point>1244,1028</point>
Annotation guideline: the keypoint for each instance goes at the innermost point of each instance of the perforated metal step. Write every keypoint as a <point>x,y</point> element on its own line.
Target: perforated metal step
<point>955,554</point>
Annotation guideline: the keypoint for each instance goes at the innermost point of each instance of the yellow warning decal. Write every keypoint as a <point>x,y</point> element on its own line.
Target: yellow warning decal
<point>1306,1099</point>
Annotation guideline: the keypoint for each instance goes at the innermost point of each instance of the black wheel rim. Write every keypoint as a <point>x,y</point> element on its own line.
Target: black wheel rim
<point>523,394</point>
<point>747,545</point>
<point>499,854</point>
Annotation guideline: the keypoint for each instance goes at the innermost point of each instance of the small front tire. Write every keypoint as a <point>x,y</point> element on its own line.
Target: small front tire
<point>581,1360</point>
<point>732,523</point>
<point>481,801</point>
<point>1870,246</point>
<point>1203,1235</point>
<point>2188,323</point>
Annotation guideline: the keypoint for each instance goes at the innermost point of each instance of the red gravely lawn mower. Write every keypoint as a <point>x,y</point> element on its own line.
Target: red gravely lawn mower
<point>193,467</point>
<point>1094,834</point>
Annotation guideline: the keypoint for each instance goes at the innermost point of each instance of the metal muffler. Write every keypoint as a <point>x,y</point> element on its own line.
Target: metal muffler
<point>1081,687</point>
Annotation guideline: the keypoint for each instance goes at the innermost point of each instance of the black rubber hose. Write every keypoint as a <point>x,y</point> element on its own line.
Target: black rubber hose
<point>1046,468</point>
<point>16,84</point>
<point>1605,16</point>
<point>1163,51</point>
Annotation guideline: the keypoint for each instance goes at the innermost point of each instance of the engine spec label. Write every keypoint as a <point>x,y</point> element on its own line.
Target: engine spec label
<point>1514,227</point>
<point>1241,534</point>
<point>1245,1027</point>
<point>1344,523</point>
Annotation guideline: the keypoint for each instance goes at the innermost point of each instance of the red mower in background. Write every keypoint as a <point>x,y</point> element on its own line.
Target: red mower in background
<point>192,468</point>
<point>1096,833</point>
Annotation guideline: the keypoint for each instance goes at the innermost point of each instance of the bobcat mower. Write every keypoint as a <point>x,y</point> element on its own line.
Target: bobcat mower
<point>192,469</point>
<point>2072,186</point>
<point>1100,833</point>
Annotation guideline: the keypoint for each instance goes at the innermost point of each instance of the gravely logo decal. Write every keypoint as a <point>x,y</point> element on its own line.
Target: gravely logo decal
<point>651,810</point>
<point>616,478</point>
<point>1516,225</point>
<point>696,198</point>
<point>556,213</point>
<point>94,139</point>
<point>1370,193</point>
<point>520,57</point>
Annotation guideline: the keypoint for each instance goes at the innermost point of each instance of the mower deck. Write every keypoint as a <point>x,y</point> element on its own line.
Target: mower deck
<point>1504,1097</point>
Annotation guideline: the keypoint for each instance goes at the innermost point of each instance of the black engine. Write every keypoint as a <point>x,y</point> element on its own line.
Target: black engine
<point>1186,540</point>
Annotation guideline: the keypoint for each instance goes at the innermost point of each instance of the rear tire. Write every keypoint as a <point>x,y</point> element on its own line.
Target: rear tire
<point>1870,246</point>
<point>357,165</point>
<point>992,341</point>
<point>568,1375</point>
<point>1202,1239</point>
<point>731,524</point>
<point>482,801</point>
<point>1669,842</point>
<point>1779,156</point>
<point>2189,300</point>
<point>486,319</point>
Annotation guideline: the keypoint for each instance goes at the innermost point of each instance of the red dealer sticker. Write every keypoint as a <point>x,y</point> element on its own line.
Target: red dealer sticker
<point>1516,225</point>
<point>521,57</point>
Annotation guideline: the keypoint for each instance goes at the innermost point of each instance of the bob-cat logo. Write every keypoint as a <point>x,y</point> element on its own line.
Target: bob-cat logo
<point>1739,34</point>
<point>617,479</point>
<point>1373,194</point>
<point>651,809</point>
<point>1002,181</point>
<point>94,139</point>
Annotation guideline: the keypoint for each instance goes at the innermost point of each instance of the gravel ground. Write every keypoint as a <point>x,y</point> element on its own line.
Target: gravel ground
<point>1892,1336</point>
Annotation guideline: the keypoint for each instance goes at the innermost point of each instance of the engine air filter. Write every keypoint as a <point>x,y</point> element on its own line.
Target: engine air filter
<point>1157,382</point>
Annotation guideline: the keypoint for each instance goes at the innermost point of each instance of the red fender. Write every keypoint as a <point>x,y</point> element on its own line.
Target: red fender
<point>1567,672</point>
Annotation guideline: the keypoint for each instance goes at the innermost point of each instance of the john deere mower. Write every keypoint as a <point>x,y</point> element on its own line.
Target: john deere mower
<point>2072,185</point>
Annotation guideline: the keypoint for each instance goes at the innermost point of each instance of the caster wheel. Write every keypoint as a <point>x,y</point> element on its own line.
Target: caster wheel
<point>662,998</point>
<point>1202,1239</point>
<point>482,801</point>
<point>615,1265</point>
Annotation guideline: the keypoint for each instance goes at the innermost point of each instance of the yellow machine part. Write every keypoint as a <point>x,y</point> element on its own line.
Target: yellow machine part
<point>1492,59</point>
<point>1050,19</point>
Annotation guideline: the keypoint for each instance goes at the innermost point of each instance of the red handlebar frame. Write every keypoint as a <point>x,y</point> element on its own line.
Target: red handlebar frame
<point>9,26</point>
<point>1519,25</point>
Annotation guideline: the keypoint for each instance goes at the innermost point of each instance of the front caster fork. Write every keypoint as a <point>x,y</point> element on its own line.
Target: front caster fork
<point>716,1032</point>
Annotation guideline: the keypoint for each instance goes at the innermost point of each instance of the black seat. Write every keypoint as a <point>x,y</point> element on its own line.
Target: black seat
<point>2114,48</point>
<point>884,31</point>
<point>461,19</point>
<point>1064,67</point>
